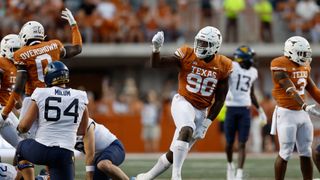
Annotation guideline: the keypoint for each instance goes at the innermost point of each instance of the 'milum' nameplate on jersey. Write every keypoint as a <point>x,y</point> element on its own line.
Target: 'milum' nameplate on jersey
<point>62,92</point>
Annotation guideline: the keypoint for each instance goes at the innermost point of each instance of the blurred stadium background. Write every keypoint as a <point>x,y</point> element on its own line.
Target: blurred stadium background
<point>113,66</point>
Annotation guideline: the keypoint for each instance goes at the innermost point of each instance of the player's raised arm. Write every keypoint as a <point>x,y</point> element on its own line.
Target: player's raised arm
<point>21,80</point>
<point>156,60</point>
<point>76,46</point>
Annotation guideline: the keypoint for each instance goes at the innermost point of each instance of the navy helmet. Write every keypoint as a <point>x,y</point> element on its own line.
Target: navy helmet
<point>244,56</point>
<point>56,73</point>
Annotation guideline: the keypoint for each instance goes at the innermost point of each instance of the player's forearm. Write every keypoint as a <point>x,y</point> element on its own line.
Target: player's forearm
<point>158,62</point>
<point>291,90</point>
<point>76,35</point>
<point>14,97</point>
<point>221,93</point>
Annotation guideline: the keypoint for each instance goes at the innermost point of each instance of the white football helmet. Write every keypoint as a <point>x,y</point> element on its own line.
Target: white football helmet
<point>31,30</point>
<point>207,42</point>
<point>9,44</point>
<point>298,50</point>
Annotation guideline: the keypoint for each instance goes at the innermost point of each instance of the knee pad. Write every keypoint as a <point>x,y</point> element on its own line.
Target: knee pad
<point>25,166</point>
<point>305,149</point>
<point>286,150</point>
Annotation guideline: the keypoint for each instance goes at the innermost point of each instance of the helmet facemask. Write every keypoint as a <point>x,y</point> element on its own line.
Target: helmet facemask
<point>203,48</point>
<point>207,42</point>
<point>298,50</point>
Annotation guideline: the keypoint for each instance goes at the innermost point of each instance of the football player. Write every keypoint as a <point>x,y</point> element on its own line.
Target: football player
<point>239,99</point>
<point>104,153</point>
<point>291,77</point>
<point>62,114</point>
<point>203,85</point>
<point>9,44</point>
<point>34,55</point>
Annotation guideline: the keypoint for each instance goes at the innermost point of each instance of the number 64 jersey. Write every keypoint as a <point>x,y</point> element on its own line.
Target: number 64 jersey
<point>198,79</point>
<point>240,83</point>
<point>60,113</point>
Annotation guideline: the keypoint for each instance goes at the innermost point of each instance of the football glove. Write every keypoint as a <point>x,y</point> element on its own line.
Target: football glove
<point>66,14</point>
<point>157,41</point>
<point>311,109</point>
<point>201,131</point>
<point>262,117</point>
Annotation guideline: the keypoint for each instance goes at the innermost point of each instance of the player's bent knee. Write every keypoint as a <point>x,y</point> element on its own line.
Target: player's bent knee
<point>185,133</point>
<point>305,149</point>
<point>104,165</point>
<point>286,150</point>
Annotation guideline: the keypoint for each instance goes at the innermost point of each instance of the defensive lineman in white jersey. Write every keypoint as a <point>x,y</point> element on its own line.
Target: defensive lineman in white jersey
<point>104,153</point>
<point>62,114</point>
<point>239,99</point>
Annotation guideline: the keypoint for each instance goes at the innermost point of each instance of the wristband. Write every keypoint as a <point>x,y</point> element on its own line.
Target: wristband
<point>90,168</point>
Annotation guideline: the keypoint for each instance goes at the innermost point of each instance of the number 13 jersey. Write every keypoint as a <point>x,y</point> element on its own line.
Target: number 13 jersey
<point>60,113</point>
<point>297,74</point>
<point>240,83</point>
<point>198,79</point>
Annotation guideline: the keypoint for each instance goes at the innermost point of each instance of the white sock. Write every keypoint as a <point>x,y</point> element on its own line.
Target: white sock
<point>230,165</point>
<point>239,173</point>
<point>162,165</point>
<point>180,151</point>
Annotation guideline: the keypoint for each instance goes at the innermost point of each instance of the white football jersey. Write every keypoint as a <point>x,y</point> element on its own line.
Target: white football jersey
<point>7,171</point>
<point>240,83</point>
<point>103,137</point>
<point>60,113</point>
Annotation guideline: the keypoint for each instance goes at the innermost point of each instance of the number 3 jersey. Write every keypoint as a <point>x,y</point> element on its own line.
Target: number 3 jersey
<point>34,59</point>
<point>297,74</point>
<point>198,79</point>
<point>60,113</point>
<point>240,83</point>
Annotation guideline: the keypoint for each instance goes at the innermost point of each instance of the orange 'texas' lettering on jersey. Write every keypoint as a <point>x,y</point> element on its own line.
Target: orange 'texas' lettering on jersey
<point>8,80</point>
<point>198,79</point>
<point>298,75</point>
<point>36,58</point>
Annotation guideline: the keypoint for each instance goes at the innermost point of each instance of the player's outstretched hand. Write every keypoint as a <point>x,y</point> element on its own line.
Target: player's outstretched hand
<point>262,117</point>
<point>157,41</point>
<point>201,131</point>
<point>312,110</point>
<point>67,15</point>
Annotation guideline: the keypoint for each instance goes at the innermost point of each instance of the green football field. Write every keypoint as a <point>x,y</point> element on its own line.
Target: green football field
<point>205,167</point>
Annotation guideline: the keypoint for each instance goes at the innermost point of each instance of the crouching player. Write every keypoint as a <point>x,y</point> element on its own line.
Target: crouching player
<point>104,153</point>
<point>62,114</point>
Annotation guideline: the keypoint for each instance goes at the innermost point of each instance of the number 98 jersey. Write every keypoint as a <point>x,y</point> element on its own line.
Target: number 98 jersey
<point>60,113</point>
<point>297,74</point>
<point>34,59</point>
<point>198,79</point>
<point>240,83</point>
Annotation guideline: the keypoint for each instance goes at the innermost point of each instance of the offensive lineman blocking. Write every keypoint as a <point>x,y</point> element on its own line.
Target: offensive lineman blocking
<point>62,114</point>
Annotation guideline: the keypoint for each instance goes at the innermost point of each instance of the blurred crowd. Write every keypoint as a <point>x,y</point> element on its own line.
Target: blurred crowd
<point>137,21</point>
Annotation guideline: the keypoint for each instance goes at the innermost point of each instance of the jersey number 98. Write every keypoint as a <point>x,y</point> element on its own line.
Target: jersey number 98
<point>197,84</point>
